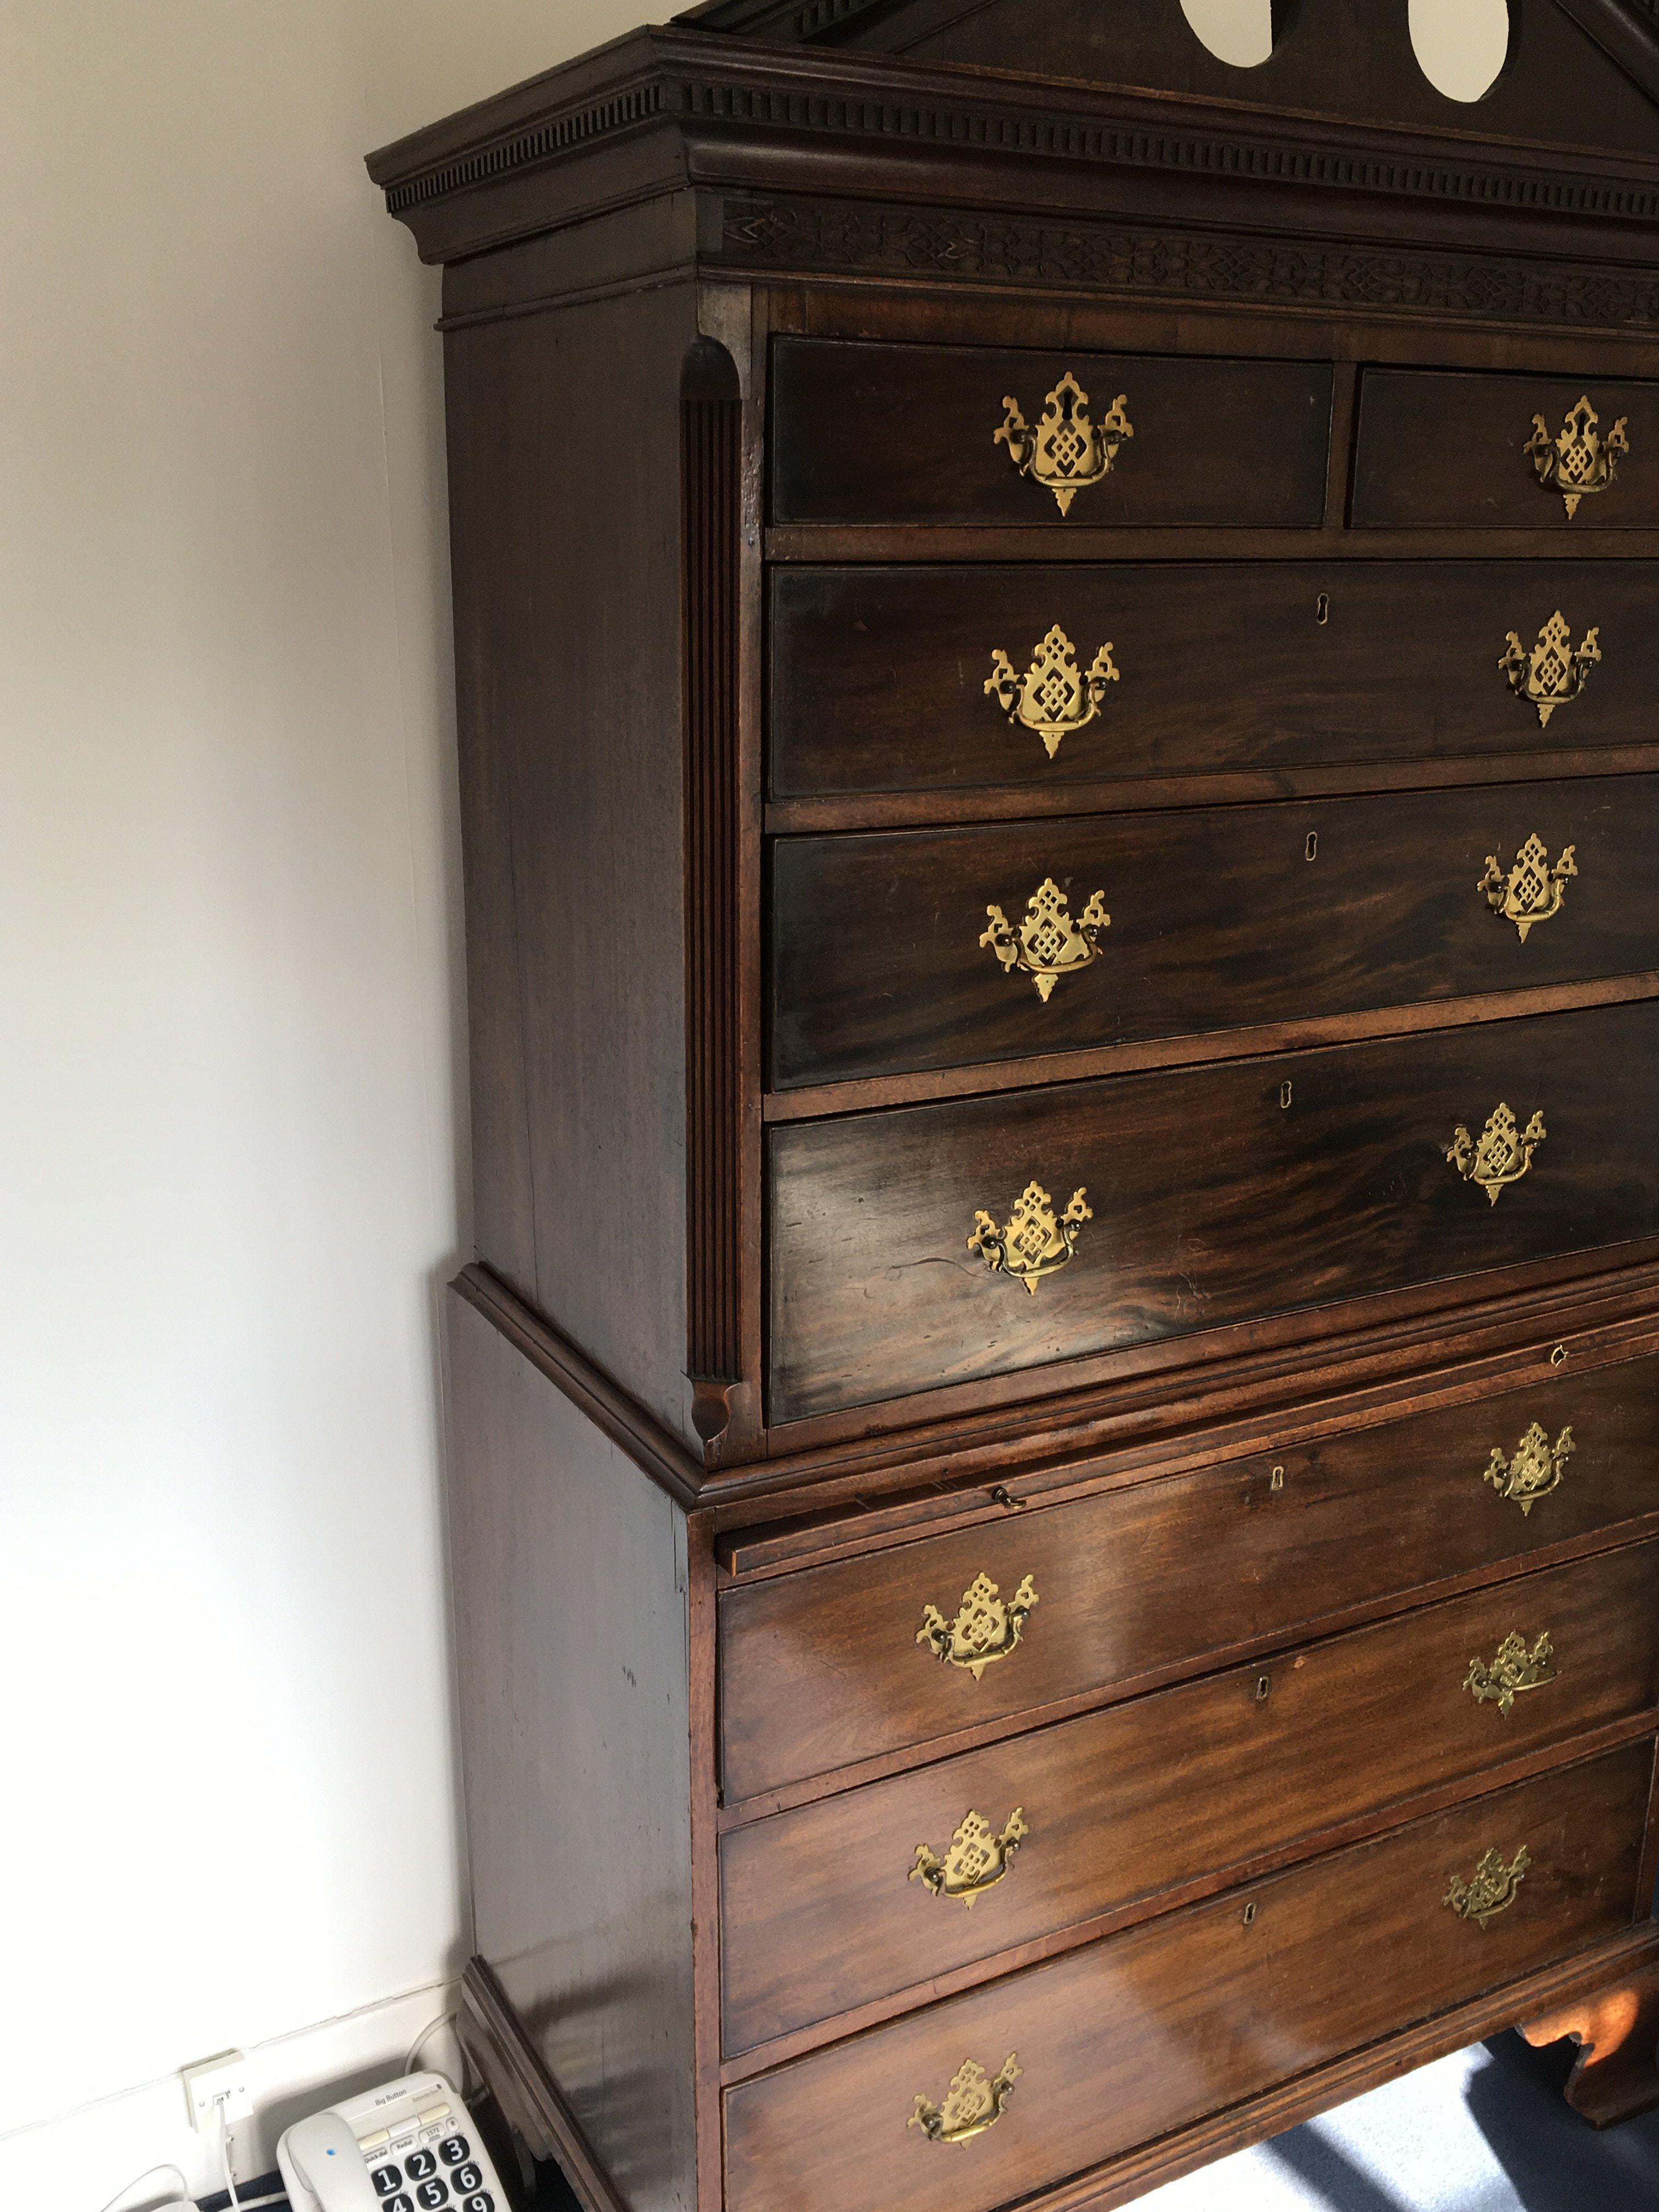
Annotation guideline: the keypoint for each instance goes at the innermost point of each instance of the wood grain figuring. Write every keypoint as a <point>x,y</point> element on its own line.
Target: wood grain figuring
<point>1447,452</point>
<point>711,420</point>
<point>1213,1201</point>
<point>878,678</point>
<point>570,1566</point>
<point>895,433</point>
<point>1218,918</point>
<point>1194,2012</point>
<point>820,1668</point>
<point>819,1914</point>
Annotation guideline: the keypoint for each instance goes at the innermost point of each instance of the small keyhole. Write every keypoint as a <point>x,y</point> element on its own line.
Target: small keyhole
<point>1249,1916</point>
<point>1264,1685</point>
<point>1322,611</point>
<point>1285,1095</point>
<point>1310,850</point>
<point>1278,1479</point>
<point>1558,1356</point>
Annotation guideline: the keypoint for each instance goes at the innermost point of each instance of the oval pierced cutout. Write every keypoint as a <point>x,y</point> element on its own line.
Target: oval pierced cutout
<point>1461,49</point>
<point>1240,31</point>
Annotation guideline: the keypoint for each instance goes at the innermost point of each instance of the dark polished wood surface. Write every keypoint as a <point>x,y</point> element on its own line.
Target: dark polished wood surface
<point>822,1669</point>
<point>819,1910</point>
<point>878,675</point>
<point>1470,466</point>
<point>1218,1196</point>
<point>1219,919</point>
<point>1193,2012</point>
<point>897,434</point>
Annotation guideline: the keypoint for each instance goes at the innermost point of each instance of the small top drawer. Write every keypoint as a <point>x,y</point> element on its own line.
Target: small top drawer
<point>1439,450</point>
<point>967,436</point>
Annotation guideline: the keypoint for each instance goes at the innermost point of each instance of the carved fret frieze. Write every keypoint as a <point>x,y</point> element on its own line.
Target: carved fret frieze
<point>814,235</point>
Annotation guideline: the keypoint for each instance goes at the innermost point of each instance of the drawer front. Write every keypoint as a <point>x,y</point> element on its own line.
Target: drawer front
<point>1214,1195</point>
<point>1129,2037</point>
<point>877,434</point>
<point>829,1906</point>
<point>940,949</point>
<point>824,1668</point>
<point>878,676</point>
<point>1441,449</point>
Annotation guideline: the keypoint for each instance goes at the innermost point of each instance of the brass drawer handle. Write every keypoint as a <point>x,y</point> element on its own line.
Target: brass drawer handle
<point>1514,1670</point>
<point>1048,944</point>
<point>1054,696</point>
<point>1578,462</point>
<point>1493,1889</point>
<point>972,2103</point>
<point>1532,891</point>
<point>976,1860</point>
<point>1537,1468</point>
<point>1034,1243</point>
<point>1504,1153</point>
<point>1555,671</point>
<point>1067,451</point>
<point>984,1630</point>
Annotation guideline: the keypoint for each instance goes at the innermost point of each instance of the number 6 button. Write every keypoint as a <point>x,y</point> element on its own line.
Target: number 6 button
<point>464,2177</point>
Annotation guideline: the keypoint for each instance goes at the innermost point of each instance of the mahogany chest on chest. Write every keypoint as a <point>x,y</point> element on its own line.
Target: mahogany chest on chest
<point>1055,1431</point>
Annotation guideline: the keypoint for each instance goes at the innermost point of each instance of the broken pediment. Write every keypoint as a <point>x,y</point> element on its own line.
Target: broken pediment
<point>1578,72</point>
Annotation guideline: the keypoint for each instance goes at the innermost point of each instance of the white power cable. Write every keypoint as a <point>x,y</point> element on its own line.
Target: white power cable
<point>224,2159</point>
<point>177,2172</point>
<point>444,2019</point>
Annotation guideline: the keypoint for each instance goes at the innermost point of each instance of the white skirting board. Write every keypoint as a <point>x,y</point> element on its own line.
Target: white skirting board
<point>76,2162</point>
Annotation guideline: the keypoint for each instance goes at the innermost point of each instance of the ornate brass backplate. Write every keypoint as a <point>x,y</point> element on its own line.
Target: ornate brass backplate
<point>1067,451</point>
<point>1555,671</point>
<point>1537,1468</point>
<point>1513,1670</point>
<point>1048,944</point>
<point>1054,695</point>
<point>1532,891</point>
<point>1504,1153</point>
<point>1578,462</point>
<point>976,1861</point>
<point>1035,1243</point>
<point>985,1629</point>
<point>1494,1890</point>
<point>972,2103</point>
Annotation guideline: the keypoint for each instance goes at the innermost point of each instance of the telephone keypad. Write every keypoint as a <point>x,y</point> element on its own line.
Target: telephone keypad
<point>483,2201</point>
<point>454,2148</point>
<point>430,2195</point>
<point>400,2204</point>
<point>420,2164</point>
<point>386,2180</point>
<point>467,2176</point>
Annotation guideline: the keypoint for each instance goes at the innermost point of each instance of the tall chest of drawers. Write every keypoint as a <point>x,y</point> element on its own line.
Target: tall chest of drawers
<point>1055,1433</point>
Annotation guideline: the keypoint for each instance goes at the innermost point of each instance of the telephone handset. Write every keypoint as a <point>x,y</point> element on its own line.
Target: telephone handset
<point>409,2147</point>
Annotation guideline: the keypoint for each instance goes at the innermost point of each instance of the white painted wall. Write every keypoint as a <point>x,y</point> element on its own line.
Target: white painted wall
<point>229,1104</point>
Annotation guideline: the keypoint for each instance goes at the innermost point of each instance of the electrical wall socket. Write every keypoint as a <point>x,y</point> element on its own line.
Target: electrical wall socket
<point>213,2085</point>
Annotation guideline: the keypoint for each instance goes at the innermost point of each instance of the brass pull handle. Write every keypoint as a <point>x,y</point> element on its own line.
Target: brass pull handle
<point>1537,1468</point>
<point>976,1861</point>
<point>1532,891</point>
<point>1054,695</point>
<point>1578,462</point>
<point>1035,1243</point>
<point>1555,671</point>
<point>985,1629</point>
<point>1048,944</point>
<point>1067,452</point>
<point>973,2103</point>
<point>1514,1670</point>
<point>1493,1890</point>
<point>1504,1153</point>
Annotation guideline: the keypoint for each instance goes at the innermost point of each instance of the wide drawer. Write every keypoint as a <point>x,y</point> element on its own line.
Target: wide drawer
<point>889,679</point>
<point>824,1668</point>
<point>941,948</point>
<point>833,1905</point>
<point>877,433</point>
<point>1213,1195</point>
<point>1131,2037</point>
<point>1437,449</point>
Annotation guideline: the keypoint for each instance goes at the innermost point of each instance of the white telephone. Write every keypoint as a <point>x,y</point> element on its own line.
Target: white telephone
<point>409,2147</point>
